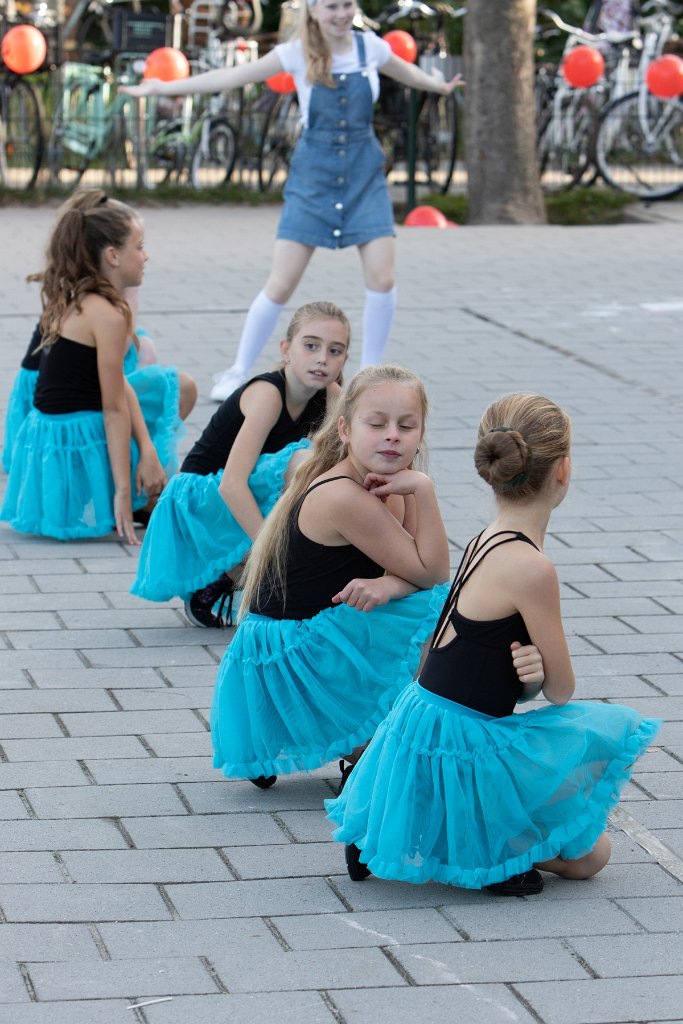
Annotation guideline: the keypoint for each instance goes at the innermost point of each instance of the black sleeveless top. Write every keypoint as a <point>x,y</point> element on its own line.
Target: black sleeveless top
<point>314,572</point>
<point>67,378</point>
<point>475,668</point>
<point>210,453</point>
<point>31,360</point>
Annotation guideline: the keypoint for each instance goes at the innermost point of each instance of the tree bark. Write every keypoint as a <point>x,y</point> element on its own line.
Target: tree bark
<point>503,182</point>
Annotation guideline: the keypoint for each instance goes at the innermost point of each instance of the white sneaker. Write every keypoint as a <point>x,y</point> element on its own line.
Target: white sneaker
<point>226,383</point>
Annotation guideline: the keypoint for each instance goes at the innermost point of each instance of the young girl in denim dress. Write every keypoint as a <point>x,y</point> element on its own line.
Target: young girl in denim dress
<point>336,194</point>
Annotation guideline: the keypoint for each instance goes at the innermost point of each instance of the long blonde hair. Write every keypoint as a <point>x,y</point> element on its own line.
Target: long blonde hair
<point>520,437</point>
<point>267,562</point>
<point>88,224</point>
<point>316,51</point>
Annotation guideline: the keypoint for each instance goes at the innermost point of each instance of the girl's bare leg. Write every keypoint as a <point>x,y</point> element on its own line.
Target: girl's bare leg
<point>583,867</point>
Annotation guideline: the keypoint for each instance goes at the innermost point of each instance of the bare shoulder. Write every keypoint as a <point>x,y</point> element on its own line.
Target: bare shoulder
<point>260,395</point>
<point>530,569</point>
<point>97,306</point>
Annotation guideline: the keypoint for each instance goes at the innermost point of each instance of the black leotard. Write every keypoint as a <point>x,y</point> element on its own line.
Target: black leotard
<point>314,572</point>
<point>68,380</point>
<point>210,452</point>
<point>31,360</point>
<point>475,668</point>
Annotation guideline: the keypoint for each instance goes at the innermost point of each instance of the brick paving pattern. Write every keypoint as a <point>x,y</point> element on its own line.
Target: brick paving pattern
<point>132,873</point>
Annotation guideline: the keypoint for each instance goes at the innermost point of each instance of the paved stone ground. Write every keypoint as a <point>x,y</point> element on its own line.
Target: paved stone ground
<point>132,873</point>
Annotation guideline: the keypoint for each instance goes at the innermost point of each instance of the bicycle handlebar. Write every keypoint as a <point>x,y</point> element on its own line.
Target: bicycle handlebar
<point>616,38</point>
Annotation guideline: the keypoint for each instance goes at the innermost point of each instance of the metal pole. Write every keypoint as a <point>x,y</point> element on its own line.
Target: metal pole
<point>412,149</point>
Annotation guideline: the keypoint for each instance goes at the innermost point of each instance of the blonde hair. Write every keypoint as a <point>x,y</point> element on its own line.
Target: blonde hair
<point>89,222</point>
<point>520,437</point>
<point>267,562</point>
<point>316,51</point>
<point>313,310</point>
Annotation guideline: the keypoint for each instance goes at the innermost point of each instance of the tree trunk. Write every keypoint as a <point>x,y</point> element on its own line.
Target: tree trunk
<point>500,122</point>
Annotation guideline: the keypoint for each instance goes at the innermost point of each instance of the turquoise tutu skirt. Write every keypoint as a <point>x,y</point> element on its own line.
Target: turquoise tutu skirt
<point>193,538</point>
<point>292,695</point>
<point>19,405</point>
<point>60,483</point>
<point>447,794</point>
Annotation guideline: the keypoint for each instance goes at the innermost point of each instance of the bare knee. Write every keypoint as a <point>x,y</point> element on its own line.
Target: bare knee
<point>591,863</point>
<point>380,279</point>
<point>188,394</point>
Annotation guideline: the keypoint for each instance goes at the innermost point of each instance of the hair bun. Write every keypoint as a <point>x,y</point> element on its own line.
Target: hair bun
<point>502,457</point>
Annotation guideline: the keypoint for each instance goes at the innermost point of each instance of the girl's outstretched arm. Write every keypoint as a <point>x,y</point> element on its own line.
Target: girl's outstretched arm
<point>261,406</point>
<point>415,78</point>
<point>218,80</point>
<point>110,341</point>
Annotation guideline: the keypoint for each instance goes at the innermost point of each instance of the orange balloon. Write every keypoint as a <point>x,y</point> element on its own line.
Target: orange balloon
<point>282,82</point>
<point>426,217</point>
<point>24,49</point>
<point>402,44</point>
<point>168,64</point>
<point>664,77</point>
<point>583,67</point>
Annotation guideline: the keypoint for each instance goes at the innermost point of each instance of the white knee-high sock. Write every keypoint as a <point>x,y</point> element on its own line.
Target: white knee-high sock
<point>258,327</point>
<point>378,318</point>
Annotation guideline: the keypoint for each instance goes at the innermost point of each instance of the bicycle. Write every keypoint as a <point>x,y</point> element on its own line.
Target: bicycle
<point>21,133</point>
<point>639,144</point>
<point>203,144</point>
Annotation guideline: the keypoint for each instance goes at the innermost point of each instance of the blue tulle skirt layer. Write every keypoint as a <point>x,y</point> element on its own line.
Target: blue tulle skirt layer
<point>60,482</point>
<point>292,695</point>
<point>193,538</point>
<point>158,392</point>
<point>447,794</point>
<point>19,405</point>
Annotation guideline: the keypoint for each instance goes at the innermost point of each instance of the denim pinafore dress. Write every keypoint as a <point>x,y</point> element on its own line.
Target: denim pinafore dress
<point>336,193</point>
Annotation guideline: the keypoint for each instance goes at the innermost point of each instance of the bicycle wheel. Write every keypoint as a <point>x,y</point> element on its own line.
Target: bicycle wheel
<point>639,147</point>
<point>437,140</point>
<point>213,157</point>
<point>279,138</point>
<point>166,152</point>
<point>75,136</point>
<point>21,135</point>
<point>566,143</point>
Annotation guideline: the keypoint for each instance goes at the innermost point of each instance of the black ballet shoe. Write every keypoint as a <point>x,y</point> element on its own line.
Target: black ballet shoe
<point>264,782</point>
<point>345,770</point>
<point>357,871</point>
<point>529,883</point>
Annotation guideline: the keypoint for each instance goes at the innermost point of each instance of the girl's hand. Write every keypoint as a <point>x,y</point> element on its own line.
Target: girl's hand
<point>456,82</point>
<point>528,664</point>
<point>123,516</point>
<point>149,475</point>
<point>406,481</point>
<point>365,594</point>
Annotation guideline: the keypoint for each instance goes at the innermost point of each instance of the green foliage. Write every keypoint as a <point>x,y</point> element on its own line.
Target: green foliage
<point>163,195</point>
<point>596,205</point>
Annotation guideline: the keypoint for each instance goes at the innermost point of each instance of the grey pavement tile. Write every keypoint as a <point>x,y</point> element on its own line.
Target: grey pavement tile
<point>103,582</point>
<point>198,675</point>
<point>68,748</point>
<point>656,589</point>
<point>290,793</point>
<point>604,1001</point>
<point>254,898</point>
<point>11,806</point>
<point>625,664</point>
<point>50,942</point>
<point>61,835</point>
<point>295,860</point>
<point>83,902</point>
<point>621,688</point>
<point>16,620</point>
<point>181,744</point>
<point>41,548</point>
<point>57,567</point>
<point>673,838</point>
<point>662,785</point>
<point>28,727</point>
<point>34,701</point>
<point>642,570</point>
<point>16,585</point>
<point>285,1008</point>
<point>147,769</point>
<point>667,708</point>
<point>660,813</point>
<point>105,801</point>
<point>122,723</point>
<point>166,698</point>
<point>373,928</point>
<point>12,984</point>
<point>32,660</point>
<point>307,826</point>
<point>73,639</point>
<point>595,626</point>
<point>530,918</point>
<point>377,894</point>
<point>186,635</point>
<point>658,914</point>
<point>85,678</point>
<point>105,1011</point>
<point>639,643</point>
<point>112,619</point>
<point>199,830</point>
<point>149,657</point>
<point>670,684</point>
<point>466,1004</point>
<point>458,963</point>
<point>158,866</point>
<point>308,969</point>
<point>140,978</point>
<point>662,623</point>
<point>630,956</point>
<point>29,867</point>
<point>143,939</point>
<point>23,774</point>
<point>612,881</point>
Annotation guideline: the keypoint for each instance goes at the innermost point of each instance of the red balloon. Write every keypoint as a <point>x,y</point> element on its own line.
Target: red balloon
<point>664,76</point>
<point>24,49</point>
<point>583,66</point>
<point>402,44</point>
<point>282,82</point>
<point>168,64</point>
<point>426,217</point>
